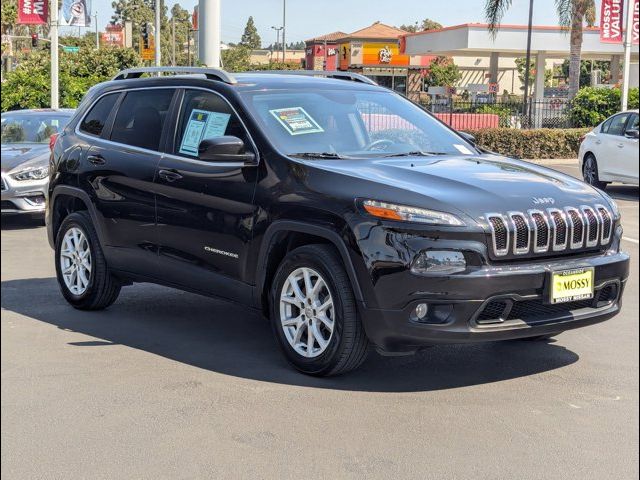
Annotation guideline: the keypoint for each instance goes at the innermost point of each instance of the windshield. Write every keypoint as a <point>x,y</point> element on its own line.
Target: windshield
<point>350,124</point>
<point>31,128</point>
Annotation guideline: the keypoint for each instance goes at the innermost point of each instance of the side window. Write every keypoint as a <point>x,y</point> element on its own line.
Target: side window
<point>205,115</point>
<point>617,124</point>
<point>606,125</point>
<point>141,116</point>
<point>93,122</point>
<point>633,123</point>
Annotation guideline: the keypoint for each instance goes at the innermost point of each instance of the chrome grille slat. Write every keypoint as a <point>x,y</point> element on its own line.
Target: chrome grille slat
<point>550,230</point>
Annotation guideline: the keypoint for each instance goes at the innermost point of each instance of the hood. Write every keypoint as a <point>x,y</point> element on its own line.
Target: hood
<point>16,154</point>
<point>472,185</point>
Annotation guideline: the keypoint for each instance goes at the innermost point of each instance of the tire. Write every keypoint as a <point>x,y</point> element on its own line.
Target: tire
<point>346,346</point>
<point>590,172</point>
<point>101,288</point>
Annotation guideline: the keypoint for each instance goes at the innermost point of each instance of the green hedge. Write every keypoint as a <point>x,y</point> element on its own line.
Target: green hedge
<point>531,144</point>
<point>593,105</point>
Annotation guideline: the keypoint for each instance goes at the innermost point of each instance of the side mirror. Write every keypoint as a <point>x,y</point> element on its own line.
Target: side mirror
<point>224,149</point>
<point>631,133</point>
<point>468,137</point>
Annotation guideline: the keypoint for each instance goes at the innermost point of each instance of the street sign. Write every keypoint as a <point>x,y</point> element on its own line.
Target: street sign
<point>147,53</point>
<point>71,49</point>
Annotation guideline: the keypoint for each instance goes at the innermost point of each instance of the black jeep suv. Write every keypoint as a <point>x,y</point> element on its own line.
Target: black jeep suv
<point>347,214</point>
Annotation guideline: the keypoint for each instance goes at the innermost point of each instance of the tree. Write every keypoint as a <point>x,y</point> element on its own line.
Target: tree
<point>250,37</point>
<point>571,13</point>
<point>585,70</point>
<point>520,65</point>
<point>426,25</point>
<point>442,72</point>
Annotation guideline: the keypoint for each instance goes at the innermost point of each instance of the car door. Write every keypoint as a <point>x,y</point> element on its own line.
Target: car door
<point>610,160</point>
<point>205,209</point>
<point>119,169</point>
<point>629,158</point>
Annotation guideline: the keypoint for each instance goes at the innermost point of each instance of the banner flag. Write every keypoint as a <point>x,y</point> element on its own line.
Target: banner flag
<point>611,17</point>
<point>75,13</point>
<point>33,12</point>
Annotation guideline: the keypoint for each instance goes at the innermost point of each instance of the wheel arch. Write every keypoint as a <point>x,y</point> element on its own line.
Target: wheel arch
<point>285,235</point>
<point>64,201</point>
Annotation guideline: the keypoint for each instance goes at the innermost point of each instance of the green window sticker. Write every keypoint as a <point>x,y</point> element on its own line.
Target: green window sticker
<point>296,121</point>
<point>202,125</point>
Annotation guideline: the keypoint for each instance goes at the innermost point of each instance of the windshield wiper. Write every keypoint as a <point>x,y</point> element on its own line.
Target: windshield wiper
<point>416,153</point>
<point>319,155</point>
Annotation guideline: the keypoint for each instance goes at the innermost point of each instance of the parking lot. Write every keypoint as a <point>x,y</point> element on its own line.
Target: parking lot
<point>166,384</point>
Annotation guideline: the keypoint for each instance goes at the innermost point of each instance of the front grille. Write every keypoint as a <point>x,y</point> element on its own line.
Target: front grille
<point>503,310</point>
<point>550,230</point>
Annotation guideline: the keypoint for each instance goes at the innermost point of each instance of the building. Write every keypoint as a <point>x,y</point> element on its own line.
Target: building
<point>322,52</point>
<point>264,57</point>
<point>372,51</point>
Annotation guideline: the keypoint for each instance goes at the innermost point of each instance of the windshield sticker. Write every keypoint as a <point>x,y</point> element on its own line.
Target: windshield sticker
<point>296,121</point>
<point>202,125</point>
<point>463,149</point>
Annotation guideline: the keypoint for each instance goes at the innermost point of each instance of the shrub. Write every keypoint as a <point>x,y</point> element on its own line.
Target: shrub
<point>593,105</point>
<point>504,112</point>
<point>531,144</point>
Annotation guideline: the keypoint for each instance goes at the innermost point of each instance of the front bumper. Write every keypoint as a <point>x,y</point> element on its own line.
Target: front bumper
<point>23,197</point>
<point>457,313</point>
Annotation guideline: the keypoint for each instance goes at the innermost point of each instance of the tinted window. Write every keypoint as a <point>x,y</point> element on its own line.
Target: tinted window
<point>617,124</point>
<point>205,115</point>
<point>140,118</point>
<point>31,127</point>
<point>605,125</point>
<point>93,122</point>
<point>633,123</point>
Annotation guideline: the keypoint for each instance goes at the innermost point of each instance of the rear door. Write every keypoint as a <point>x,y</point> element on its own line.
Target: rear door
<point>205,210</point>
<point>119,170</point>
<point>629,157</point>
<point>611,157</point>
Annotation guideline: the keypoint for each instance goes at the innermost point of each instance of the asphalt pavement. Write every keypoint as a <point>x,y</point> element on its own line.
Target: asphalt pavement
<point>166,384</point>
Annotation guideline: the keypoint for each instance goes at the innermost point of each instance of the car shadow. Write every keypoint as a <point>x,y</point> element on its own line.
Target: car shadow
<point>20,222</point>
<point>234,340</point>
<point>624,192</point>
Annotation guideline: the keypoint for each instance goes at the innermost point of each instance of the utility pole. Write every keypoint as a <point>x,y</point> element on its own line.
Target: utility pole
<point>284,31</point>
<point>527,64</point>
<point>626,73</point>
<point>54,53</point>
<point>276,49</point>
<point>209,32</point>
<point>157,33</point>
<point>97,35</point>
<point>173,41</point>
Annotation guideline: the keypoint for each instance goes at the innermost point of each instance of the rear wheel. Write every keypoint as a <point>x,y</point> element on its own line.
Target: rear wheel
<point>591,174</point>
<point>83,276</point>
<point>313,313</point>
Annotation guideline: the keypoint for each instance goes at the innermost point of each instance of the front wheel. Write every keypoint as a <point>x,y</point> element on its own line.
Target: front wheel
<point>313,313</point>
<point>591,174</point>
<point>83,276</point>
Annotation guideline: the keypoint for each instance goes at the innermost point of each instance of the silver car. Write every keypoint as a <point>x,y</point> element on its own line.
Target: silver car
<point>25,157</point>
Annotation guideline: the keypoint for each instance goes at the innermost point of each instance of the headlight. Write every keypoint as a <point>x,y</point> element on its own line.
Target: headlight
<point>612,204</point>
<point>439,262</point>
<point>33,173</point>
<point>403,213</point>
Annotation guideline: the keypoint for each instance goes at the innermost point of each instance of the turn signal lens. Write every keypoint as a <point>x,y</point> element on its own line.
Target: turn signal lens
<point>390,211</point>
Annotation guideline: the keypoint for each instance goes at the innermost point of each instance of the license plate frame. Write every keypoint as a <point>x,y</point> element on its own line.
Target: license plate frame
<point>559,294</point>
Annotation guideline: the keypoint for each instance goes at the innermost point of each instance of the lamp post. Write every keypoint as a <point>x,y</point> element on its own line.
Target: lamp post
<point>626,73</point>
<point>277,29</point>
<point>54,54</point>
<point>284,30</point>
<point>157,34</point>
<point>527,64</point>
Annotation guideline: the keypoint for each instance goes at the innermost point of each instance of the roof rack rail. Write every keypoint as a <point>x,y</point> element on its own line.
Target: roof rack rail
<point>354,77</point>
<point>210,73</point>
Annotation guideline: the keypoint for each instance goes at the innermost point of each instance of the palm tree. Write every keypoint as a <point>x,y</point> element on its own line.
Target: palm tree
<point>572,14</point>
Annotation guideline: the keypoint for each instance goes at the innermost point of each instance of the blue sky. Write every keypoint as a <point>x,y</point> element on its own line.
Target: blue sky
<point>309,18</point>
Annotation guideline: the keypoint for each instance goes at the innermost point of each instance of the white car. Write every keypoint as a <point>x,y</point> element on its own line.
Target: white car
<point>609,153</point>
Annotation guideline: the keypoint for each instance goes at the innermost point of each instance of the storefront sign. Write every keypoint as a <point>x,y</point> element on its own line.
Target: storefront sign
<point>114,36</point>
<point>33,12</point>
<point>611,21</point>
<point>384,55</point>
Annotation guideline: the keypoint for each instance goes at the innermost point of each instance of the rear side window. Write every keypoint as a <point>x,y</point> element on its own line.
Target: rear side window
<point>205,115</point>
<point>606,125</point>
<point>617,124</point>
<point>140,118</point>
<point>633,123</point>
<point>93,122</point>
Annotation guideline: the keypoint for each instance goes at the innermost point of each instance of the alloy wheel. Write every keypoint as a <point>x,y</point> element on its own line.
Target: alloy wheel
<point>590,171</point>
<point>75,261</point>
<point>307,312</point>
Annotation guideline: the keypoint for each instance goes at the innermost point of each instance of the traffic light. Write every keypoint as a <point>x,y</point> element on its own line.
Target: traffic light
<point>145,35</point>
<point>34,40</point>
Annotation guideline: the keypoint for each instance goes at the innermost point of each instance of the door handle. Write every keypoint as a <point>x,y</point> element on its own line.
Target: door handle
<point>598,142</point>
<point>169,175</point>
<point>96,160</point>
<point>621,145</point>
